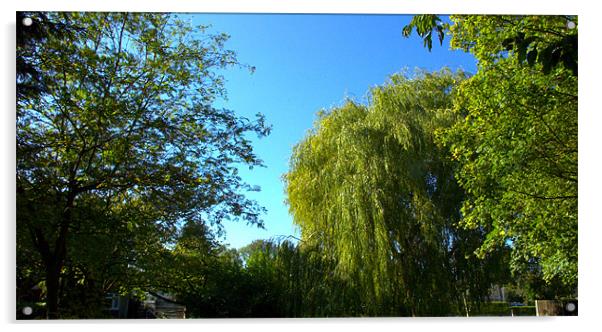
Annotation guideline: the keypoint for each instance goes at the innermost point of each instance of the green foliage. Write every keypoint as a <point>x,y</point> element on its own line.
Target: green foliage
<point>297,281</point>
<point>122,144</point>
<point>219,290</point>
<point>517,149</point>
<point>30,82</point>
<point>373,191</point>
<point>271,280</point>
<point>545,42</point>
<point>425,25</point>
<point>524,311</point>
<point>517,144</point>
<point>548,41</point>
<point>492,309</point>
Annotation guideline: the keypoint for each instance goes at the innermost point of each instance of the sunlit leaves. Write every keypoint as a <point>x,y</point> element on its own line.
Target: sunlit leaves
<point>518,144</point>
<point>371,188</point>
<point>548,41</point>
<point>544,42</point>
<point>126,118</point>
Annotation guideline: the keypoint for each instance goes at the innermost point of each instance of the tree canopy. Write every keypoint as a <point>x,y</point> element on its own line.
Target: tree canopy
<point>517,143</point>
<point>371,188</point>
<point>125,122</point>
<point>549,41</point>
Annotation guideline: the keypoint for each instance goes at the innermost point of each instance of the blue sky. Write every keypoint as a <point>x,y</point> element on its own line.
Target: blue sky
<point>305,63</point>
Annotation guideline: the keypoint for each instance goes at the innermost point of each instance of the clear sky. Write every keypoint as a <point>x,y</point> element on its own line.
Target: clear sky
<point>305,63</point>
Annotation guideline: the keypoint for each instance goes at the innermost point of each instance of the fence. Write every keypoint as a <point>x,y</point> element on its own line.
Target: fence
<point>556,308</point>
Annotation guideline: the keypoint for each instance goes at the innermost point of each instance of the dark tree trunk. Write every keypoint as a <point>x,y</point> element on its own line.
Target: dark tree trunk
<point>53,271</point>
<point>54,261</point>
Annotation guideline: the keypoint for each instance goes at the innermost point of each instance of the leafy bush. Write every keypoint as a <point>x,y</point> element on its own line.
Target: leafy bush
<point>492,309</point>
<point>523,311</point>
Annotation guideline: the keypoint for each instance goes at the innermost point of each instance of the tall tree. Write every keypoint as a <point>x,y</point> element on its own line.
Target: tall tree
<point>371,188</point>
<point>517,144</point>
<point>126,118</point>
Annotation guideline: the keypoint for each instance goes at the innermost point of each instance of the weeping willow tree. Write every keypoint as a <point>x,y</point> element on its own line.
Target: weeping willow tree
<point>370,187</point>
